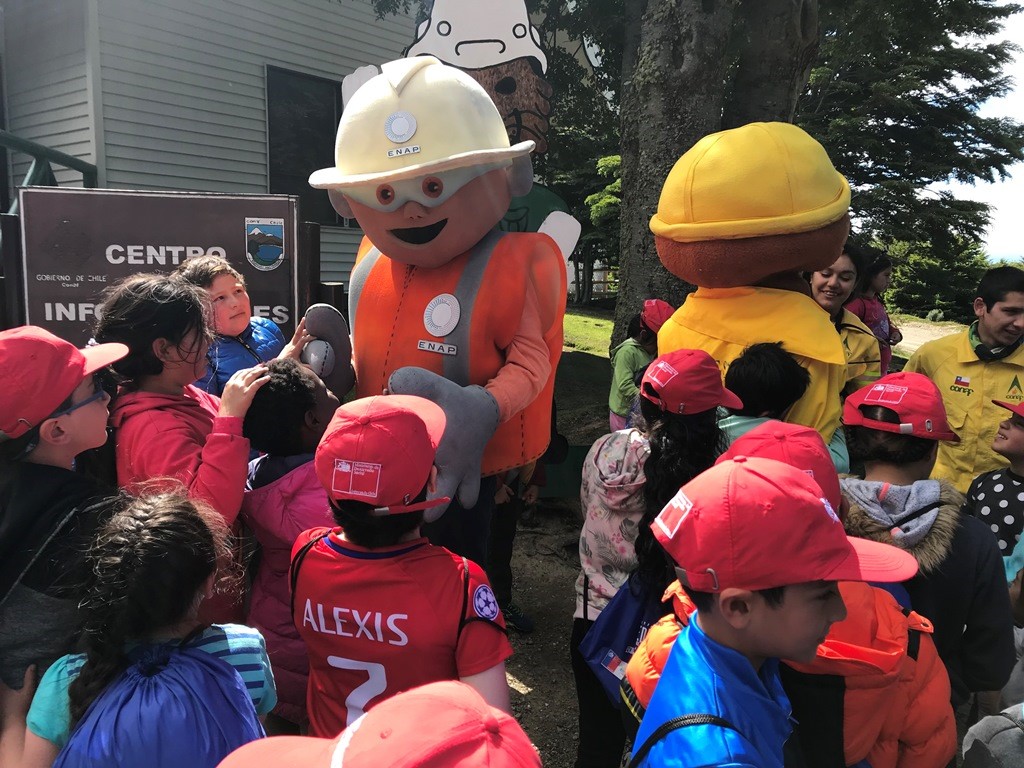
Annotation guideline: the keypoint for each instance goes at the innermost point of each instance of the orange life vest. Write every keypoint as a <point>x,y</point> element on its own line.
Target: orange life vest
<point>457,320</point>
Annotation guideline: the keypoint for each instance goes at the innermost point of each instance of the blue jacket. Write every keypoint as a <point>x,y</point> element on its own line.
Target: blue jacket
<point>702,677</point>
<point>260,342</point>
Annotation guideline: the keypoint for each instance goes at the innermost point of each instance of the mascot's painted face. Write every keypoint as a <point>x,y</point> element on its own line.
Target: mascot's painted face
<point>424,222</point>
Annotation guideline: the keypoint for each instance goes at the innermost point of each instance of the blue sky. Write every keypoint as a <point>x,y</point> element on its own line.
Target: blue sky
<point>1005,238</point>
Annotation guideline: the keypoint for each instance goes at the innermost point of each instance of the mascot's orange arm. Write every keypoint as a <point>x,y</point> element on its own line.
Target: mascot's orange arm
<point>527,362</point>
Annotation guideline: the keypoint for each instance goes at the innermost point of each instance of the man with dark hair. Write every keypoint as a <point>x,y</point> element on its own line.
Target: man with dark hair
<point>975,367</point>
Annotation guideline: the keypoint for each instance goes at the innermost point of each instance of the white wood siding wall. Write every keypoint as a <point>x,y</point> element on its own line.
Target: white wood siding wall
<point>183,88</point>
<point>45,76</point>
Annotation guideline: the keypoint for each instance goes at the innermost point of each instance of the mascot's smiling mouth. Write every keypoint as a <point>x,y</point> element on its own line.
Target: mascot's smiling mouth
<point>419,235</point>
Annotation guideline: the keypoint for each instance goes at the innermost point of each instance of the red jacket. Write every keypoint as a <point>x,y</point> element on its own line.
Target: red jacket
<point>894,707</point>
<point>181,436</point>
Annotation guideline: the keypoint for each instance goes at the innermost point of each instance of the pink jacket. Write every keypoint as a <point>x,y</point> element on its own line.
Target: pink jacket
<point>277,513</point>
<point>181,436</point>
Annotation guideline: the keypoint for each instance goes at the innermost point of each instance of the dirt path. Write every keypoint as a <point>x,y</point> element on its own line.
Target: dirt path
<point>545,564</point>
<point>917,332</point>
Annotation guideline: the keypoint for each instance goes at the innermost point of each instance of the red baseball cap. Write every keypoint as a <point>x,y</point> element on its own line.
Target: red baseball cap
<point>39,371</point>
<point>1016,408</point>
<point>915,399</point>
<point>686,381</point>
<point>793,444</point>
<point>379,450</point>
<point>439,725</point>
<point>655,313</point>
<point>759,523</point>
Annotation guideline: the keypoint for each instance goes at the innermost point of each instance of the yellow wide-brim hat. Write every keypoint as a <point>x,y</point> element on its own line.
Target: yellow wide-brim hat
<point>758,180</point>
<point>418,116</point>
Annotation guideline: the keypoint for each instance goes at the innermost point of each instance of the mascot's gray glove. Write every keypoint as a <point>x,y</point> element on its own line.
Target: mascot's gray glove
<point>472,417</point>
<point>330,355</point>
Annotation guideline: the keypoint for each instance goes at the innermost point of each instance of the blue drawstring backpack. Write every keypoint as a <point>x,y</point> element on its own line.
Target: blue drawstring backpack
<point>173,707</point>
<point>615,635</point>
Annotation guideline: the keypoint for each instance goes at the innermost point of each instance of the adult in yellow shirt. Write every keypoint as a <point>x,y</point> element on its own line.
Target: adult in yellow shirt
<point>831,288</point>
<point>975,367</point>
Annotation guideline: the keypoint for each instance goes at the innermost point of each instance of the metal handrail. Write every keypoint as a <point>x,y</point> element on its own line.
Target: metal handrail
<point>40,173</point>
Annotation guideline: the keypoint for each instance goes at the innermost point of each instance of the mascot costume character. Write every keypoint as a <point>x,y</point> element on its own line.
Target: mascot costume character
<point>496,43</point>
<point>442,303</point>
<point>741,215</point>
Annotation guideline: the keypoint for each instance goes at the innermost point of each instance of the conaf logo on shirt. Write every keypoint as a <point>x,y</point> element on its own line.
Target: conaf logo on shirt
<point>962,384</point>
<point>1014,392</point>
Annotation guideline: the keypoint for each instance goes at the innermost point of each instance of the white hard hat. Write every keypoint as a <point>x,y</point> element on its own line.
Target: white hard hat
<point>477,34</point>
<point>418,116</point>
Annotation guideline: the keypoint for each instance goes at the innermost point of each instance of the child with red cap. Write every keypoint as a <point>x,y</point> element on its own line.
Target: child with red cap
<point>759,551</point>
<point>629,358</point>
<point>380,609</point>
<point>627,477</point>
<point>438,725</point>
<point>54,408</point>
<point>894,427</point>
<point>886,700</point>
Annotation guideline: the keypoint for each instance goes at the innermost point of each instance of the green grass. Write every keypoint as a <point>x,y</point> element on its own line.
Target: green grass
<point>588,330</point>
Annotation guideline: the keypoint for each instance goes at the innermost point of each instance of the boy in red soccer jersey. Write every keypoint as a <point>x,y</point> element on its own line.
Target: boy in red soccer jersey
<point>380,608</point>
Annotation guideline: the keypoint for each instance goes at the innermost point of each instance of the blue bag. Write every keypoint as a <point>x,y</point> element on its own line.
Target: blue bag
<point>615,635</point>
<point>173,706</point>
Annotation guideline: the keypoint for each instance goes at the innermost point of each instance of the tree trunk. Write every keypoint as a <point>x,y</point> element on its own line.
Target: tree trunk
<point>674,66</point>
<point>778,46</point>
<point>690,68</point>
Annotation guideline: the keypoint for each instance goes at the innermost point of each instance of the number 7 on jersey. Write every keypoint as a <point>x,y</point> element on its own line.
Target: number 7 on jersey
<point>377,683</point>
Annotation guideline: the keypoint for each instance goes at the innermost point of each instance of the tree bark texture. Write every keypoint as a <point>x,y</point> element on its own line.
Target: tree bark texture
<point>779,42</point>
<point>672,94</point>
<point>686,65</point>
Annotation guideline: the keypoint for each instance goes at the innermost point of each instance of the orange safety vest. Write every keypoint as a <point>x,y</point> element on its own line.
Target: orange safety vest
<point>457,320</point>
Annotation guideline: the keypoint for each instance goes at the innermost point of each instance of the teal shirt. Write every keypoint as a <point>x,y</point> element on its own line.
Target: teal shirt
<point>736,426</point>
<point>242,647</point>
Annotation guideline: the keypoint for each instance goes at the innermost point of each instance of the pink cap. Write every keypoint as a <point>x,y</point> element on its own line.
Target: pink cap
<point>793,444</point>
<point>379,450</point>
<point>440,725</point>
<point>655,313</point>
<point>39,371</point>
<point>686,381</point>
<point>915,399</point>
<point>757,524</point>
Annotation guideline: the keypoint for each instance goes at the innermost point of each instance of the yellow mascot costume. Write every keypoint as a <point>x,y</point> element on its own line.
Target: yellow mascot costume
<point>741,215</point>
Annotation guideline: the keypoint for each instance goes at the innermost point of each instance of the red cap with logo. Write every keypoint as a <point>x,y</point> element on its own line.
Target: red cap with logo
<point>912,396</point>
<point>39,371</point>
<point>793,444</point>
<point>655,313</point>
<point>1016,408</point>
<point>440,725</point>
<point>380,450</point>
<point>686,381</point>
<point>758,523</point>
